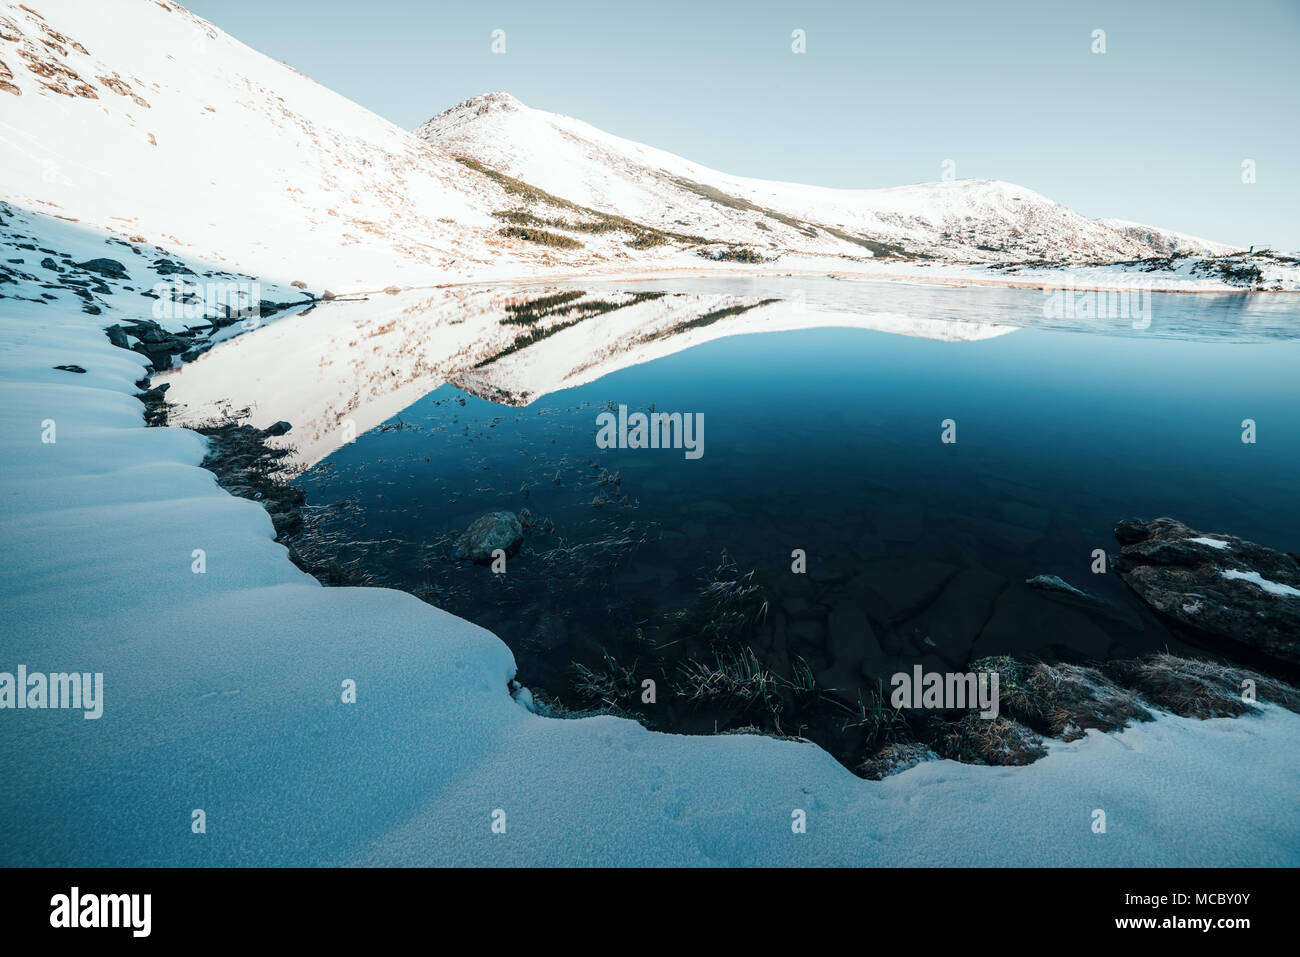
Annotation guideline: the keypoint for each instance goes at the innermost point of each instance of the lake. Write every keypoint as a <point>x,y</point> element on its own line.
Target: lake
<point>826,443</point>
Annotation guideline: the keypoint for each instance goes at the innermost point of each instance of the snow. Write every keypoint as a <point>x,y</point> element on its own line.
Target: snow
<point>1212,542</point>
<point>1167,242</point>
<point>1272,587</point>
<point>222,690</point>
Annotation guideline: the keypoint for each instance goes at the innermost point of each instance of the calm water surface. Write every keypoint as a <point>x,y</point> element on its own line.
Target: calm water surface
<point>638,562</point>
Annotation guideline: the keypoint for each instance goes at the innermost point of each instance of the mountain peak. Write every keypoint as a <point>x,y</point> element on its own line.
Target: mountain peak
<point>498,101</point>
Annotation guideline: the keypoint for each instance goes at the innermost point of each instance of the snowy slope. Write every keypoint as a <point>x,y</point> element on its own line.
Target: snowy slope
<point>959,219</point>
<point>1167,242</point>
<point>137,116</point>
<point>222,693</point>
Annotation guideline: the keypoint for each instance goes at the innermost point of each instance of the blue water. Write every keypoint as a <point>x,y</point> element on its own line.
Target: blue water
<point>828,440</point>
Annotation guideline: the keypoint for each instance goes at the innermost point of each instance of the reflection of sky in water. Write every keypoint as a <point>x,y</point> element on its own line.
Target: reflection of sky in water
<point>1149,426</point>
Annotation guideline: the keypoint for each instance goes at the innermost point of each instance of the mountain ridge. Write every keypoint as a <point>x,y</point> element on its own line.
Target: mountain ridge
<point>976,220</point>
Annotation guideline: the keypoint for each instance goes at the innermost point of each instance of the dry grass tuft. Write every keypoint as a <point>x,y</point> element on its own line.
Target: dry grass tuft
<point>1200,689</point>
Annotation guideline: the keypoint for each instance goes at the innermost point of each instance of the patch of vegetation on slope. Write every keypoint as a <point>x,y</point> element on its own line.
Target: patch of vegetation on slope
<point>594,221</point>
<point>734,254</point>
<point>715,195</point>
<point>540,236</point>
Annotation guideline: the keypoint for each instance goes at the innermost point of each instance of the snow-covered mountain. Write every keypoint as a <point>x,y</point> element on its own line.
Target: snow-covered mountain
<point>138,117</point>
<point>141,120</point>
<point>981,220</point>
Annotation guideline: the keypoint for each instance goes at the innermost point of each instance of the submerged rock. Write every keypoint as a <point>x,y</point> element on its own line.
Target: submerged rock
<point>494,530</point>
<point>1237,596</point>
<point>1054,583</point>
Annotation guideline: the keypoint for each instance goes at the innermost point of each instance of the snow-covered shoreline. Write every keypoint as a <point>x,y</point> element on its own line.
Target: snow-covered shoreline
<point>222,692</point>
<point>1096,278</point>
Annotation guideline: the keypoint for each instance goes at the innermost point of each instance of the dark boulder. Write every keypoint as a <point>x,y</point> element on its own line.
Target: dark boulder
<point>1235,596</point>
<point>108,268</point>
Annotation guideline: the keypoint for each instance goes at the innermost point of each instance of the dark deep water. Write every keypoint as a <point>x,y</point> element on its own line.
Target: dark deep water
<point>638,562</point>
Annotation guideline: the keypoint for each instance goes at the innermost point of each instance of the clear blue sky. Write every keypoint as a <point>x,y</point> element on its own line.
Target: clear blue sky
<point>1154,130</point>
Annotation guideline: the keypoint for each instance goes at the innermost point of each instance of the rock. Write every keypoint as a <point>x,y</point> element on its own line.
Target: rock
<point>1235,596</point>
<point>160,361</point>
<point>1130,530</point>
<point>155,394</point>
<point>1053,583</point>
<point>109,268</point>
<point>117,336</point>
<point>48,263</point>
<point>1058,589</point>
<point>153,333</point>
<point>279,428</point>
<point>70,369</point>
<point>488,533</point>
<point>165,267</point>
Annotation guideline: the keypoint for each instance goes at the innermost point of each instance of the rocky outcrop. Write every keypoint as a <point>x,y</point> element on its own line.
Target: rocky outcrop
<point>108,268</point>
<point>1238,597</point>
